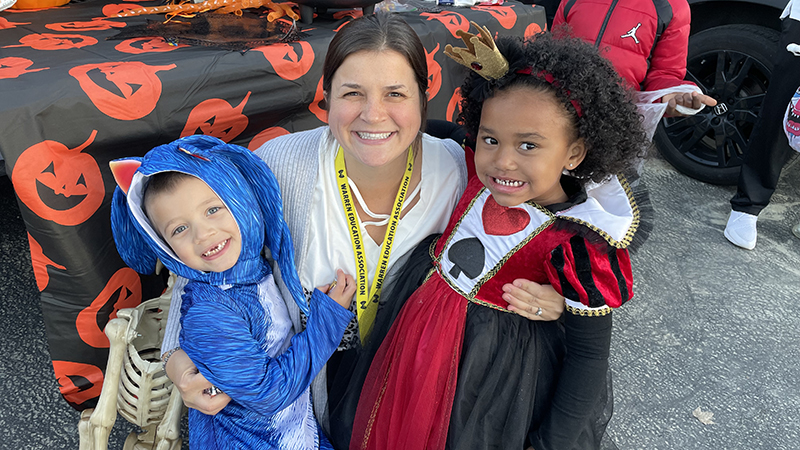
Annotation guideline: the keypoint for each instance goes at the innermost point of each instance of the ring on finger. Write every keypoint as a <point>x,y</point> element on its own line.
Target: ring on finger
<point>539,311</point>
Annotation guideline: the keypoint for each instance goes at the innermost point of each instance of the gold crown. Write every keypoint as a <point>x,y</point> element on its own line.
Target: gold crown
<point>481,55</point>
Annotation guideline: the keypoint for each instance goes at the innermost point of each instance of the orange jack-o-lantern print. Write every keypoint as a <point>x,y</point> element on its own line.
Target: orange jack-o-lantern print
<point>290,61</point>
<point>5,24</point>
<point>264,136</point>
<point>57,183</point>
<point>216,117</point>
<point>315,108</point>
<point>40,263</point>
<point>49,41</point>
<point>12,67</point>
<point>141,45</point>
<point>434,74</point>
<point>452,20</point>
<point>505,15</point>
<point>532,30</point>
<point>111,10</point>
<point>454,105</point>
<point>123,290</point>
<point>137,87</point>
<point>78,382</point>
<point>92,25</point>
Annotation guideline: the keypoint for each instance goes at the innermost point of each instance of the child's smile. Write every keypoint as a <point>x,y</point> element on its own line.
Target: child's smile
<point>524,143</point>
<point>197,225</point>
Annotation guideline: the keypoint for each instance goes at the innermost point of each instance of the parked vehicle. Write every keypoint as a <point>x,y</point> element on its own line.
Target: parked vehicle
<point>732,47</point>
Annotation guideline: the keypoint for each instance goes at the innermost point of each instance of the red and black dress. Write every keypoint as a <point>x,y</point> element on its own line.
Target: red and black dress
<point>457,370</point>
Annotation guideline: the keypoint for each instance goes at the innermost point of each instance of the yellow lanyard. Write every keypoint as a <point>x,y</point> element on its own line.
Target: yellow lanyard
<point>367,302</point>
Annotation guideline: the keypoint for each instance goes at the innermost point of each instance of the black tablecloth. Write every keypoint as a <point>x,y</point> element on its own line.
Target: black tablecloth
<point>71,101</point>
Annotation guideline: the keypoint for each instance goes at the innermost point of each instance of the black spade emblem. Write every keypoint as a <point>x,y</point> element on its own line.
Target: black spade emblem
<point>468,256</point>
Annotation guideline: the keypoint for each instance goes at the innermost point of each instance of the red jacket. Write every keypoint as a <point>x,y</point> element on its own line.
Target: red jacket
<point>627,38</point>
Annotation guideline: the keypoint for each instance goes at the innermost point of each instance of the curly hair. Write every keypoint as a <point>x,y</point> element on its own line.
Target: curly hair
<point>605,117</point>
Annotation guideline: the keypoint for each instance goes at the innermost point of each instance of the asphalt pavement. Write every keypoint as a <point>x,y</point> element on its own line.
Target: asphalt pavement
<point>711,326</point>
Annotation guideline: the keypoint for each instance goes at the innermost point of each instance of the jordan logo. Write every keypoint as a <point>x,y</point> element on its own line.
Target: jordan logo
<point>632,33</point>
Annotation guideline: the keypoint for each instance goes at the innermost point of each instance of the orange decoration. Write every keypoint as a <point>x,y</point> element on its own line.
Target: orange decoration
<point>315,107</point>
<point>6,25</point>
<point>452,20</point>
<point>124,289</point>
<point>264,136</point>
<point>48,41</point>
<point>59,184</point>
<point>290,61</point>
<point>92,25</point>
<point>434,74</point>
<point>12,67</point>
<point>135,80</point>
<point>505,15</point>
<point>78,382</point>
<point>216,117</point>
<point>40,263</point>
<point>112,10</point>
<point>140,45</point>
<point>219,6</point>
<point>38,4</point>
<point>454,105</point>
<point>532,30</point>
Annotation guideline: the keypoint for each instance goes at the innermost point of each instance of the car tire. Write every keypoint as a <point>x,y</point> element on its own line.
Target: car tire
<point>732,64</point>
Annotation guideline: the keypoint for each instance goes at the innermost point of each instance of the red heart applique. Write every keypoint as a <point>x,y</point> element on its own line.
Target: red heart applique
<point>502,221</point>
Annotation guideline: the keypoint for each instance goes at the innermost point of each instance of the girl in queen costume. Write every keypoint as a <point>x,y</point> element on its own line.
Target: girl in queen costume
<point>206,209</point>
<point>552,128</point>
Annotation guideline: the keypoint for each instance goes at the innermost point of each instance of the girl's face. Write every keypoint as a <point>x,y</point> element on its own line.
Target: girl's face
<point>524,142</point>
<point>374,108</point>
<point>196,225</point>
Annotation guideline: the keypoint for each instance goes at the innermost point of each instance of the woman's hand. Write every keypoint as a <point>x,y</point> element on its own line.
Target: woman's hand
<point>691,100</point>
<point>191,384</point>
<point>341,290</point>
<point>526,297</point>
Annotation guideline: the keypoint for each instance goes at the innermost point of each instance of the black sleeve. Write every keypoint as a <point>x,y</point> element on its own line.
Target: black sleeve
<point>580,385</point>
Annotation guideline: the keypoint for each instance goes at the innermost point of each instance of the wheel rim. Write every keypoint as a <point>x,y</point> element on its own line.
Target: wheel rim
<point>717,137</point>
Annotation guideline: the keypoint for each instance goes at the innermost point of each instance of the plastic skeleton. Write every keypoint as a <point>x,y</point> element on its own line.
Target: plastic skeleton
<point>135,383</point>
<point>218,6</point>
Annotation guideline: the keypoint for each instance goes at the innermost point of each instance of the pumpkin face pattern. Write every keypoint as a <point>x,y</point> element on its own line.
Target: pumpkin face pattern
<point>505,15</point>
<point>315,106</point>
<point>532,30</point>
<point>94,25</point>
<point>216,117</point>
<point>453,21</point>
<point>12,67</point>
<point>57,183</point>
<point>434,74</point>
<point>264,136</point>
<point>289,61</point>
<point>48,41</point>
<point>78,382</point>
<point>123,290</point>
<point>454,105</point>
<point>40,263</point>
<point>138,88</point>
<point>5,24</point>
<point>141,45</point>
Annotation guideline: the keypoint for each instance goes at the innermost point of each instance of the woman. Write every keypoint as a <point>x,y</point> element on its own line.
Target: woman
<point>371,157</point>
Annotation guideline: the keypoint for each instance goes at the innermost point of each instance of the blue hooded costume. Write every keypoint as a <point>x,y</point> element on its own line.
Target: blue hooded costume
<point>235,324</point>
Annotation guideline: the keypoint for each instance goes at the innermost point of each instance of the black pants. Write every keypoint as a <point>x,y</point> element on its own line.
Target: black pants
<point>769,149</point>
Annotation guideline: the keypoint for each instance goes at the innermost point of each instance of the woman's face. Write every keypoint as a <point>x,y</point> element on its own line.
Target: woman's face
<point>374,107</point>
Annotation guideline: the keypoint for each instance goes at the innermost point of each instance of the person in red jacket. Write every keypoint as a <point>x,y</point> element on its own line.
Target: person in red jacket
<point>646,41</point>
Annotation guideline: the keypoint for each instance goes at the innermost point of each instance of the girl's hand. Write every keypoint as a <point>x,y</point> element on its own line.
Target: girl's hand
<point>691,100</point>
<point>526,297</point>
<point>341,290</point>
<point>191,384</point>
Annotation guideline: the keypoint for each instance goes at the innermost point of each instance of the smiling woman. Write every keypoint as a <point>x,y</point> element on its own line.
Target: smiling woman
<point>361,195</point>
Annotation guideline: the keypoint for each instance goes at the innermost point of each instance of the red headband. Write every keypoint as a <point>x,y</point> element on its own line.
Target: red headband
<point>549,78</point>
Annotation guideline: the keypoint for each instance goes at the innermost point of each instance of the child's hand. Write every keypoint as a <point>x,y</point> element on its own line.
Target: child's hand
<point>526,298</point>
<point>341,290</point>
<point>691,100</point>
<point>192,385</point>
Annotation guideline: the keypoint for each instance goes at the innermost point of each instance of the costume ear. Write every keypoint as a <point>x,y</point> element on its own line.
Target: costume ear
<point>268,194</point>
<point>131,245</point>
<point>123,170</point>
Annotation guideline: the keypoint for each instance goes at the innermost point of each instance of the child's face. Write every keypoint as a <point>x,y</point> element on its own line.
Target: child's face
<point>523,144</point>
<point>196,225</point>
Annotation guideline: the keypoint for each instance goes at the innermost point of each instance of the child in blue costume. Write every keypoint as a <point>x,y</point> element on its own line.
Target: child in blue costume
<point>206,209</point>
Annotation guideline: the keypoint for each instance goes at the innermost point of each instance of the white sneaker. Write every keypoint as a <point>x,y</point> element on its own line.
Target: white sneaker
<point>741,229</point>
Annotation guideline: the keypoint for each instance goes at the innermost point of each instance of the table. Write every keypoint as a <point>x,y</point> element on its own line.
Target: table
<point>71,101</point>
